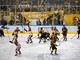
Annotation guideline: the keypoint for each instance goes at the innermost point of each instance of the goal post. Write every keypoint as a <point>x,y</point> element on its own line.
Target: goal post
<point>45,28</point>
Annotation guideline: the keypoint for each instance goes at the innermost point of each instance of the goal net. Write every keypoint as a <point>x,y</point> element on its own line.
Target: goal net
<point>46,29</point>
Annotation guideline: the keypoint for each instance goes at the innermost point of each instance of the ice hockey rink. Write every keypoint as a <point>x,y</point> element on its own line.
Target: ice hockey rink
<point>68,50</point>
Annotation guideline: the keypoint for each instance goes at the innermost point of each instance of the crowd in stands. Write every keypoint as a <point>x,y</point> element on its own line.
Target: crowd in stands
<point>60,2</point>
<point>2,21</point>
<point>54,19</point>
<point>18,21</point>
<point>68,6</point>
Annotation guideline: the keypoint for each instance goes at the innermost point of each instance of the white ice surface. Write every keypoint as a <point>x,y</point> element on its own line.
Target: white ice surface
<point>68,50</point>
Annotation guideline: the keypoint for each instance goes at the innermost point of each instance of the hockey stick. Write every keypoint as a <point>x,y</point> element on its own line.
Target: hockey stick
<point>22,30</point>
<point>58,44</point>
<point>60,39</point>
<point>73,36</point>
<point>34,37</point>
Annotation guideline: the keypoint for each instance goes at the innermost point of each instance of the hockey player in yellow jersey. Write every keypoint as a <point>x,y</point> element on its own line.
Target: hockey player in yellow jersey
<point>64,32</point>
<point>41,34</point>
<point>41,30</point>
<point>53,43</point>
<point>78,31</point>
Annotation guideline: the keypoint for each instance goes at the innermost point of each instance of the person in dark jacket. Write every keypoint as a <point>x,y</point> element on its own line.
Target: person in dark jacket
<point>11,22</point>
<point>3,22</point>
<point>38,22</point>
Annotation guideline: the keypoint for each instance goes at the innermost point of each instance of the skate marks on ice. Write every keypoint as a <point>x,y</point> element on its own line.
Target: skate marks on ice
<point>47,56</point>
<point>43,56</point>
<point>68,50</point>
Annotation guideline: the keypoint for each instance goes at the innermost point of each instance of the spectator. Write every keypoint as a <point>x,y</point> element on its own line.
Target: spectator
<point>49,21</point>
<point>17,21</point>
<point>23,20</point>
<point>11,22</point>
<point>44,21</point>
<point>27,22</point>
<point>61,20</point>
<point>58,16</point>
<point>75,20</point>
<point>56,21</point>
<point>38,22</point>
<point>3,22</point>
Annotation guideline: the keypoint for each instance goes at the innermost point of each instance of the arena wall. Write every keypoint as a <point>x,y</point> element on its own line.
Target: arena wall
<point>68,19</point>
<point>71,29</point>
<point>33,16</point>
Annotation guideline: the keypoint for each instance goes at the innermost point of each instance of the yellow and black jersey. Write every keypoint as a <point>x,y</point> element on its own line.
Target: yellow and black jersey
<point>52,37</point>
<point>41,31</point>
<point>64,29</point>
<point>47,34</point>
<point>53,42</point>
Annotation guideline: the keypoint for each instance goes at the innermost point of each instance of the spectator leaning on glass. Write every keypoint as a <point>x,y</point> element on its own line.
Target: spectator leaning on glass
<point>11,22</point>
<point>3,22</point>
<point>44,21</point>
<point>38,22</point>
